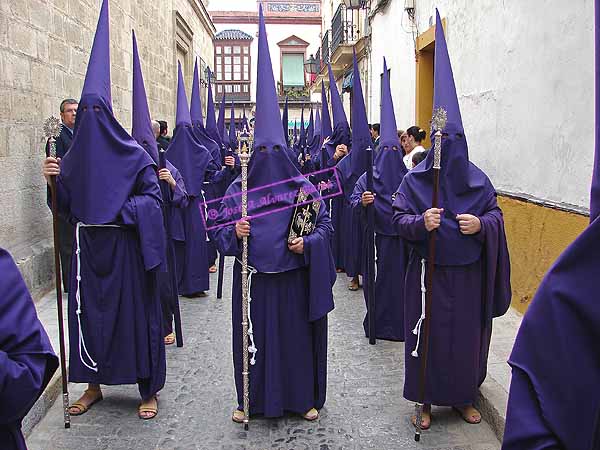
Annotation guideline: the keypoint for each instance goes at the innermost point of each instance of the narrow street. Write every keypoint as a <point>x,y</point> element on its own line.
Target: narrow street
<point>364,409</point>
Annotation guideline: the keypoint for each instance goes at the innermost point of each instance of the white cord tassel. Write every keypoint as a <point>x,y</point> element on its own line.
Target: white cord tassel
<point>252,348</point>
<point>205,213</point>
<point>417,329</point>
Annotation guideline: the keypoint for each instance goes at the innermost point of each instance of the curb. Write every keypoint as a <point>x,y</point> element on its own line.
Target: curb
<point>491,402</point>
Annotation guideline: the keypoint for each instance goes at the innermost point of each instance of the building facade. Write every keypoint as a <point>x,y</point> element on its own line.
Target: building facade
<point>293,31</point>
<point>44,50</point>
<point>524,74</point>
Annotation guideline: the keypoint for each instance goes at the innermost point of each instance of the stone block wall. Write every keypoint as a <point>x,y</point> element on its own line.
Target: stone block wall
<point>44,50</point>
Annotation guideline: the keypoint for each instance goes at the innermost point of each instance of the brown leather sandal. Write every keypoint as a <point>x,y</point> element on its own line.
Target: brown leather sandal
<point>82,407</point>
<point>148,409</point>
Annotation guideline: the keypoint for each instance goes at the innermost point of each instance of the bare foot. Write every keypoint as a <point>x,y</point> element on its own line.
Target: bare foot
<point>353,286</point>
<point>212,269</point>
<point>469,414</point>
<point>311,415</point>
<point>90,396</point>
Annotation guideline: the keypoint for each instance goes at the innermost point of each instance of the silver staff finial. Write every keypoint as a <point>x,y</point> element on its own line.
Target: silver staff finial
<point>439,119</point>
<point>52,127</point>
<point>438,122</point>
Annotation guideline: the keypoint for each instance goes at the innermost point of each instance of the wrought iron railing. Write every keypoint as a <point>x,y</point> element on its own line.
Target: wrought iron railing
<point>325,47</point>
<point>337,28</point>
<point>292,92</point>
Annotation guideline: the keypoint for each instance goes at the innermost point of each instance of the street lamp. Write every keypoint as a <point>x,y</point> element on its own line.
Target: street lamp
<point>354,4</point>
<point>311,65</point>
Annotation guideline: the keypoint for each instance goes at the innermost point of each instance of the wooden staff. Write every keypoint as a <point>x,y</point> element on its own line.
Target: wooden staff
<point>438,122</point>
<point>52,129</point>
<point>166,194</point>
<point>244,158</point>
<point>371,251</point>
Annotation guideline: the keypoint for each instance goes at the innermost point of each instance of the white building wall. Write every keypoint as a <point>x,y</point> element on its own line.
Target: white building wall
<point>524,72</point>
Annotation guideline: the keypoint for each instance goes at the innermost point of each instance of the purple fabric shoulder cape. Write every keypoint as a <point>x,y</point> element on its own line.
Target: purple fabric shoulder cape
<point>27,361</point>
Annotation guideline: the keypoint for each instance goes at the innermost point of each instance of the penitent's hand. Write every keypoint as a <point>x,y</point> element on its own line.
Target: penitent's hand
<point>367,198</point>
<point>469,224</point>
<point>51,167</point>
<point>229,161</point>
<point>297,245</point>
<point>433,218</point>
<point>165,175</point>
<point>242,228</point>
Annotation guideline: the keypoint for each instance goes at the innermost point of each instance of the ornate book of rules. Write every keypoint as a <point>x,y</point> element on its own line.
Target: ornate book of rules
<point>304,218</point>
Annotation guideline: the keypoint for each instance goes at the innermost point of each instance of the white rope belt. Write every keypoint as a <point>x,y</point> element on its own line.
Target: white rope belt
<point>417,329</point>
<point>81,339</point>
<point>205,213</point>
<point>252,347</point>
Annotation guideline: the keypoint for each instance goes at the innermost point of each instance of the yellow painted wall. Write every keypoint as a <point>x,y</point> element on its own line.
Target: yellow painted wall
<point>536,235</point>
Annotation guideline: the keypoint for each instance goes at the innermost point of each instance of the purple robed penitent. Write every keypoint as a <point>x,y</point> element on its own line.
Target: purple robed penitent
<point>349,169</point>
<point>471,284</point>
<point>109,187</point>
<point>27,361</point>
<point>392,251</point>
<point>141,131</point>
<point>554,401</point>
<point>291,293</point>
<point>196,165</point>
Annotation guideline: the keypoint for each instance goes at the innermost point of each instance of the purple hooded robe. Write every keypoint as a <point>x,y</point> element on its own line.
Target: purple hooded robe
<point>108,185</point>
<point>291,293</point>
<point>554,401</point>
<point>27,361</point>
<point>392,251</point>
<point>177,197</point>
<point>471,284</point>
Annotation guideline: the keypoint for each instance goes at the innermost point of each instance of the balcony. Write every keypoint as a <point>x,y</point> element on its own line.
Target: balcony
<point>233,91</point>
<point>293,93</point>
<point>346,34</point>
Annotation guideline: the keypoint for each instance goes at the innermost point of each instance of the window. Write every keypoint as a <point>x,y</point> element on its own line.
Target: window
<point>219,88</point>
<point>293,69</point>
<point>232,67</point>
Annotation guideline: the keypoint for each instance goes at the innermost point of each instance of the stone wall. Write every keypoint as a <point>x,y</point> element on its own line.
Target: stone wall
<point>44,50</point>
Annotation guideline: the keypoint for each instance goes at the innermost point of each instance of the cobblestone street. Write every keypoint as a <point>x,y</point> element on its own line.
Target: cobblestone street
<point>364,408</point>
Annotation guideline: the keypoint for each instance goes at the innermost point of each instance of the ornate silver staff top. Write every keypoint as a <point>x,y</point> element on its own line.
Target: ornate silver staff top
<point>438,122</point>
<point>52,128</point>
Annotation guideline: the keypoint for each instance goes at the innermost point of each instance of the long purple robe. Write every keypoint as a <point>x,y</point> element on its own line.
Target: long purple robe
<point>391,261</point>
<point>348,239</point>
<point>177,199</point>
<point>121,337</point>
<point>465,299</point>
<point>289,314</point>
<point>27,361</point>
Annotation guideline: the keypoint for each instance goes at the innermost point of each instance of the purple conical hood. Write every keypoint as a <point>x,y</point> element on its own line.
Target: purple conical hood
<point>100,173</point>
<point>310,132</point>
<point>361,137</point>
<point>221,123</point>
<point>337,107</point>
<point>141,123</point>
<point>316,141</point>
<point>326,129</point>
<point>268,165</point>
<point>211,121</point>
<point>196,101</point>
<point>183,113</point>
<point>200,132</point>
<point>185,150</point>
<point>284,119</point>
<point>232,131</point>
<point>389,133</point>
<point>97,76</point>
<point>267,106</point>
<point>389,166</point>
<point>463,187</point>
<point>302,130</point>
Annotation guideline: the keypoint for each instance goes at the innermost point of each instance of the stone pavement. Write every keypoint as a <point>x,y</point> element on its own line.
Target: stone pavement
<point>364,409</point>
